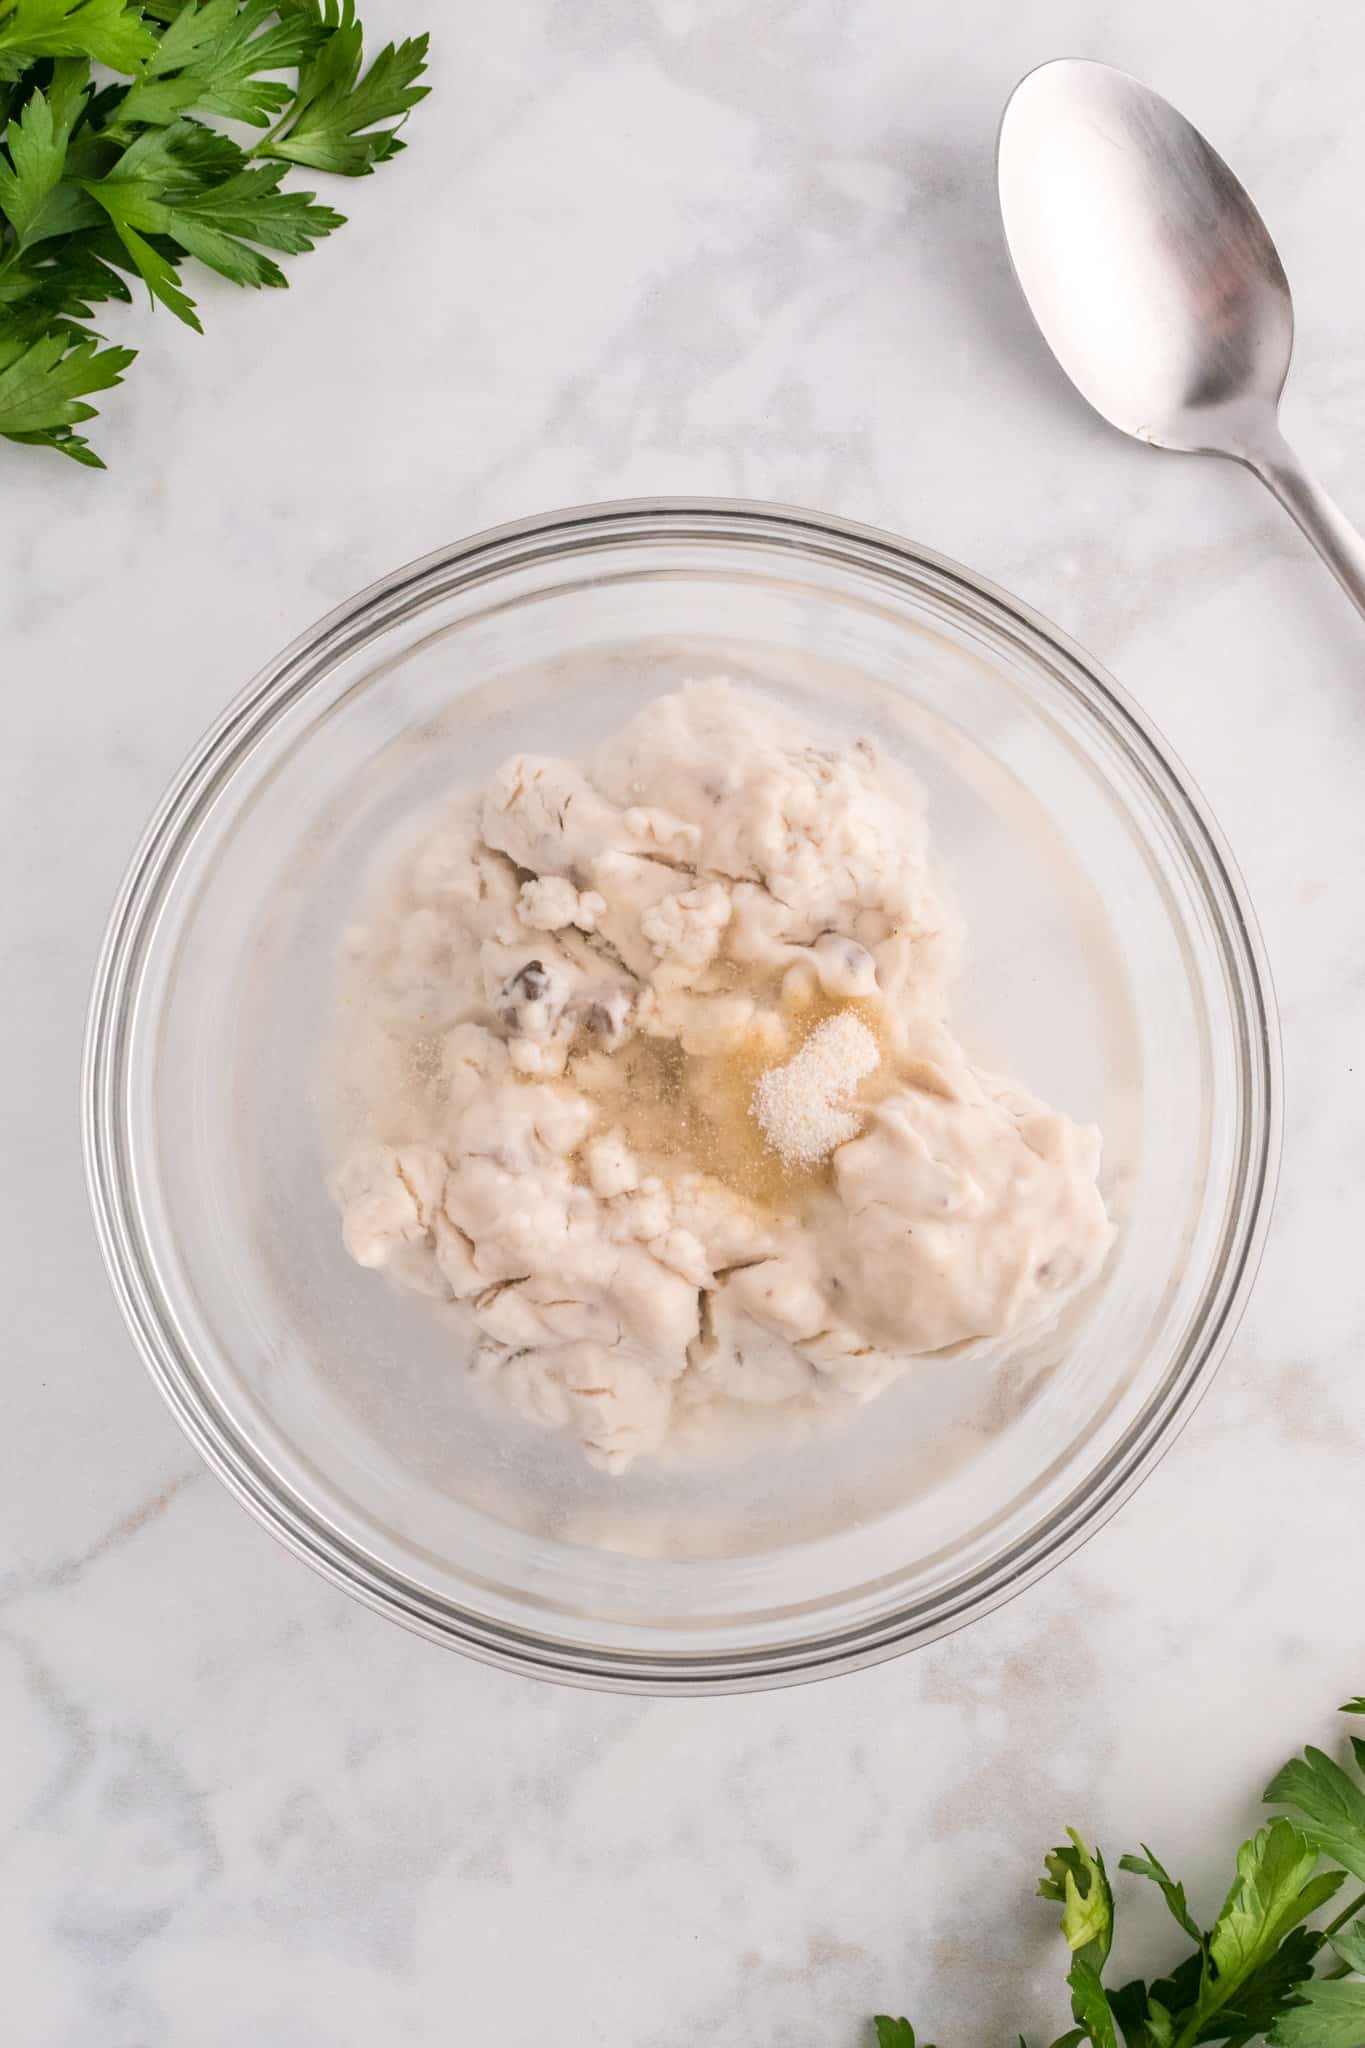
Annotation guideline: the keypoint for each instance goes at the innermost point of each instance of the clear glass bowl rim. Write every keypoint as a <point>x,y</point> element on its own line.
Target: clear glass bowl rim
<point>579,532</point>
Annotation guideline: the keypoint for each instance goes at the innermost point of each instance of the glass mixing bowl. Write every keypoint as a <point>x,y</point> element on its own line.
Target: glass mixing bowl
<point>1114,968</point>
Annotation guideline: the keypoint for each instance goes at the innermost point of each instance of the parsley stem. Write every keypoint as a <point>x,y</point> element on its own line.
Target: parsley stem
<point>1330,1929</point>
<point>278,129</point>
<point>1204,2011</point>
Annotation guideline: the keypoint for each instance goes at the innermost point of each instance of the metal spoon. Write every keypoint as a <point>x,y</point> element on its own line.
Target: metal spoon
<point>1155,283</point>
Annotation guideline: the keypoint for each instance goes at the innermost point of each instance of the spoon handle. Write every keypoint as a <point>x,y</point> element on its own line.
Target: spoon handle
<point>1324,523</point>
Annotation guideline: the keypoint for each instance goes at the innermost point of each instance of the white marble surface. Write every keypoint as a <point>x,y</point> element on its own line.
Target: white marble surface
<point>736,246</point>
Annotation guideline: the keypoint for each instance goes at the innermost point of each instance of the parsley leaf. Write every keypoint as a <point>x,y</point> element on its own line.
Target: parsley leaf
<point>1129,2005</point>
<point>209,60</point>
<point>1252,1977</point>
<point>132,178</point>
<point>1269,1990</point>
<point>43,385</point>
<point>1274,1891</point>
<point>157,187</point>
<point>136,213</point>
<point>1160,2027</point>
<point>1232,1987</point>
<point>1078,1880</point>
<point>1349,1944</point>
<point>1146,1865</point>
<point>49,294</point>
<point>218,225</point>
<point>1328,2016</point>
<point>1090,2005</point>
<point>895,2033</point>
<point>335,123</point>
<point>37,158</point>
<point>1076,1877</point>
<point>1328,1805</point>
<point>110,31</point>
<point>1178,1994</point>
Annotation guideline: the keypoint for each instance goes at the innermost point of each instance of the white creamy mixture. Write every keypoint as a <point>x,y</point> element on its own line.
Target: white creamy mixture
<point>655,1083</point>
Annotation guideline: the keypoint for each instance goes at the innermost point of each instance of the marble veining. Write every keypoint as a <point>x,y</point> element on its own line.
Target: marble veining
<point>729,246</point>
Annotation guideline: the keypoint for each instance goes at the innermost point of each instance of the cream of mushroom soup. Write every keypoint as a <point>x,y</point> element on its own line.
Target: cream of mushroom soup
<point>659,1086</point>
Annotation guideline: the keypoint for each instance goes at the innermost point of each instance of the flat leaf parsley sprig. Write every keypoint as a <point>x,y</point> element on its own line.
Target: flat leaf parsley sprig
<point>1254,1975</point>
<point>100,182</point>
